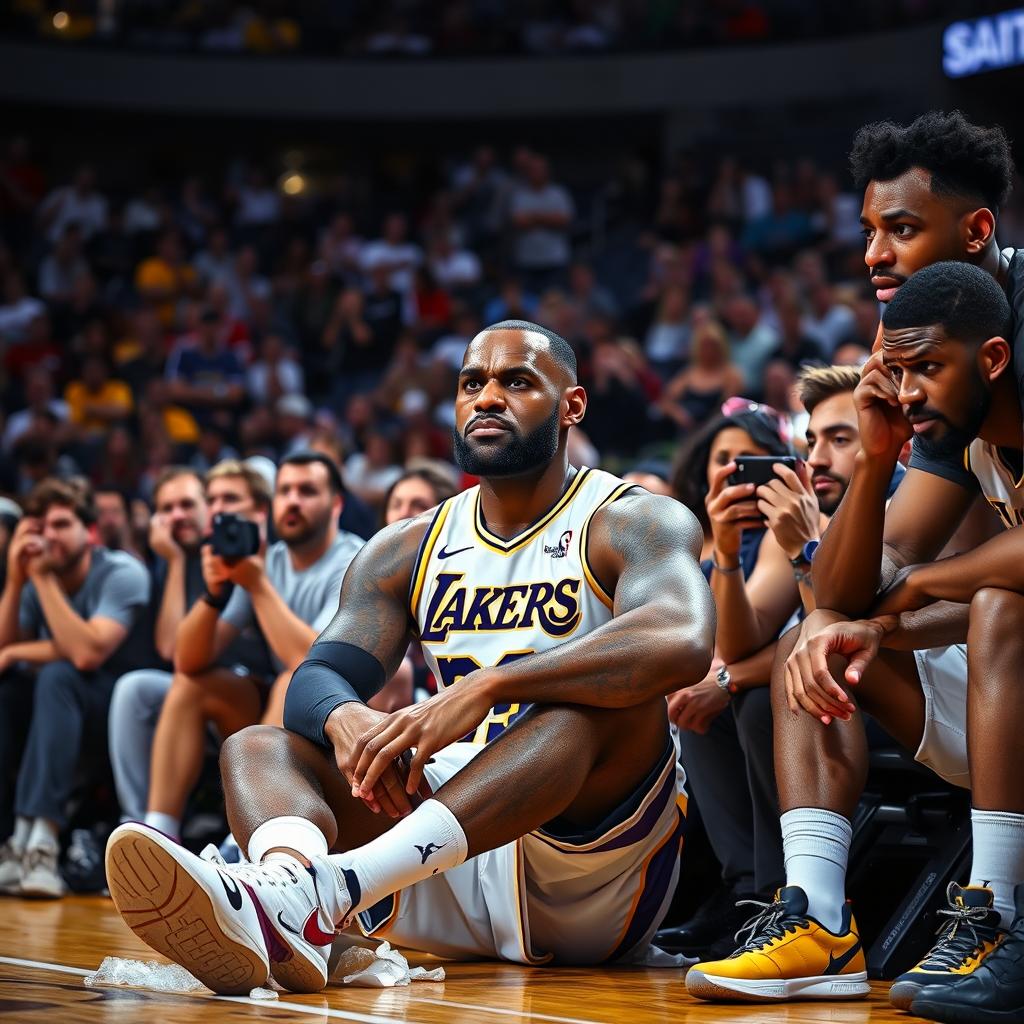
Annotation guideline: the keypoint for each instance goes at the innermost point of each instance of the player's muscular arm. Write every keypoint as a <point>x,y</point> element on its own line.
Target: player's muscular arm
<point>644,550</point>
<point>359,650</point>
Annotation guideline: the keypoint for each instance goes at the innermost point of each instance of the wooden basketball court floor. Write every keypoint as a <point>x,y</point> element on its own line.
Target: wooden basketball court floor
<point>46,948</point>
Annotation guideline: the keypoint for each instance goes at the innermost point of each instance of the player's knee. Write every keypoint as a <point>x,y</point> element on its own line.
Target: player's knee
<point>1000,613</point>
<point>254,745</point>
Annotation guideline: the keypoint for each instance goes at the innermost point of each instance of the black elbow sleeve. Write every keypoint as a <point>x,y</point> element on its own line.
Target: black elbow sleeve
<point>333,673</point>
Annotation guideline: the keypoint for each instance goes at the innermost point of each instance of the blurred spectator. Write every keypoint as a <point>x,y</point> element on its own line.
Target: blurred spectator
<point>372,471</point>
<point>165,278</point>
<point>67,629</point>
<point>616,402</point>
<point>78,203</point>
<point>274,374</point>
<point>294,416</point>
<point>696,393</point>
<point>39,400</point>
<point>245,286</point>
<point>96,401</point>
<point>511,303</point>
<point>341,248</point>
<point>143,215</point>
<point>216,263</point>
<point>830,323</point>
<point>541,214</point>
<point>414,492</point>
<point>205,376</point>
<point>589,297</point>
<point>797,346</point>
<point>454,269</point>
<point>653,475</point>
<point>394,259</point>
<point>290,595</point>
<point>65,262</point>
<point>668,339</point>
<point>257,204</point>
<point>113,522</point>
<point>753,341</point>
<point>19,309</point>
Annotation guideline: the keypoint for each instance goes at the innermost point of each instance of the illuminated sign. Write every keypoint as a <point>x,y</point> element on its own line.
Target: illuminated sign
<point>985,44</point>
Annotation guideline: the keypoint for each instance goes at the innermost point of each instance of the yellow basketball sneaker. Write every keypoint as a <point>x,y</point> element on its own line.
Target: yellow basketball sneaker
<point>788,955</point>
<point>971,933</point>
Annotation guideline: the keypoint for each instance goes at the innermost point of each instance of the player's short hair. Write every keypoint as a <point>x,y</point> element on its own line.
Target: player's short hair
<point>965,301</point>
<point>259,489</point>
<point>560,348</point>
<point>169,473</point>
<point>76,496</point>
<point>816,383</point>
<point>964,159</point>
<point>307,458</point>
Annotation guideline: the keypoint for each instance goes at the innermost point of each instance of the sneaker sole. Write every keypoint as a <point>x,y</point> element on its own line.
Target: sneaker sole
<point>776,990</point>
<point>298,973</point>
<point>172,913</point>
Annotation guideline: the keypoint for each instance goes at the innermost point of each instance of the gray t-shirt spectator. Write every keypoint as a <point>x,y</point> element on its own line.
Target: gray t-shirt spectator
<point>116,587</point>
<point>542,247</point>
<point>311,594</point>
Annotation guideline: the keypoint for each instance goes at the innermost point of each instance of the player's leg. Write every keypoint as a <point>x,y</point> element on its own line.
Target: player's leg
<point>820,771</point>
<point>995,705</point>
<point>273,712</point>
<point>220,696</point>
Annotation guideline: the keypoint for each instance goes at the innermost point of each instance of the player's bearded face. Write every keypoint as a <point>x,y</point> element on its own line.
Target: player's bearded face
<point>510,453</point>
<point>959,428</point>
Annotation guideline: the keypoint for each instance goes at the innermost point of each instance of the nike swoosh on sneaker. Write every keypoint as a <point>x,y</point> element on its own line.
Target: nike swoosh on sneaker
<point>836,964</point>
<point>442,554</point>
<point>313,933</point>
<point>234,893</point>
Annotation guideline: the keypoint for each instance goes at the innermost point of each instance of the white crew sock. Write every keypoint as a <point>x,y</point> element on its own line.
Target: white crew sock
<point>998,861</point>
<point>289,832</point>
<point>816,846</point>
<point>427,841</point>
<point>166,823</point>
<point>43,836</point>
<point>22,827</point>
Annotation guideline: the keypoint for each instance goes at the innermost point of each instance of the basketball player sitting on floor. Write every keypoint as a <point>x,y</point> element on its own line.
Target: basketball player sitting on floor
<point>556,608</point>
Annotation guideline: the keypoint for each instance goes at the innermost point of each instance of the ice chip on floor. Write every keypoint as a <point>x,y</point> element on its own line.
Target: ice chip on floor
<point>116,970</point>
<point>383,967</point>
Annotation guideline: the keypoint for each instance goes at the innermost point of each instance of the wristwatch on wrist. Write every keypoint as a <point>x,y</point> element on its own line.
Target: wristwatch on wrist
<point>802,563</point>
<point>723,680</point>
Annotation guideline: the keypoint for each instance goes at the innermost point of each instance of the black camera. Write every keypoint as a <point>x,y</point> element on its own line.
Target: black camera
<point>234,537</point>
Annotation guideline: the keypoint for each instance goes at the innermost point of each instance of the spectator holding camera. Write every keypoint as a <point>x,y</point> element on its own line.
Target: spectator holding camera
<point>177,529</point>
<point>288,593</point>
<point>68,614</point>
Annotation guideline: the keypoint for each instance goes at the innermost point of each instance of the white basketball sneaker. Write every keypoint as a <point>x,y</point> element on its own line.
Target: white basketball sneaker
<point>230,926</point>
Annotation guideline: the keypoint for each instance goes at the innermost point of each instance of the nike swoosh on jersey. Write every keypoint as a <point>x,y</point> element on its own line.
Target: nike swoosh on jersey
<point>448,554</point>
<point>836,965</point>
<point>234,893</point>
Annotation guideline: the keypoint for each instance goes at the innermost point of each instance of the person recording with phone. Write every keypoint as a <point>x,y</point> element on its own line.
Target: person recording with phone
<point>287,592</point>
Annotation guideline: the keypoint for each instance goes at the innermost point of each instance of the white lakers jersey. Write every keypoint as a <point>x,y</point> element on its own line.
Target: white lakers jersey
<point>480,600</point>
<point>1003,489</point>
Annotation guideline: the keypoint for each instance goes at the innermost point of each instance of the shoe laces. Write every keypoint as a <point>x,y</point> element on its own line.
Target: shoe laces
<point>771,921</point>
<point>40,857</point>
<point>272,873</point>
<point>959,937</point>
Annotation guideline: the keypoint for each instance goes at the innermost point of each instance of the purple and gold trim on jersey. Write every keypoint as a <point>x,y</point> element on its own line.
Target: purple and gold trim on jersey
<point>508,547</point>
<point>591,577</point>
<point>637,826</point>
<point>422,563</point>
<point>657,880</point>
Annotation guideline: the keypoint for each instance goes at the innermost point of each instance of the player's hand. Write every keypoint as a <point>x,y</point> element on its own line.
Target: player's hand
<point>906,593</point>
<point>790,508</point>
<point>161,541</point>
<point>884,430</point>
<point>344,727</point>
<point>215,571</point>
<point>731,510</point>
<point>26,544</point>
<point>426,727</point>
<point>695,707</point>
<point>810,685</point>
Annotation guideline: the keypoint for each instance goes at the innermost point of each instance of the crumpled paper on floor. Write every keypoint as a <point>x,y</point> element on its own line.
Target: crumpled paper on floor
<point>382,967</point>
<point>116,970</point>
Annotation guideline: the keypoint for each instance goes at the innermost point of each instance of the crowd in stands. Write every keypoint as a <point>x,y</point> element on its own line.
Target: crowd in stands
<point>417,28</point>
<point>207,347</point>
